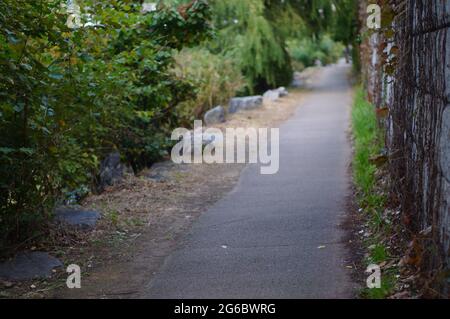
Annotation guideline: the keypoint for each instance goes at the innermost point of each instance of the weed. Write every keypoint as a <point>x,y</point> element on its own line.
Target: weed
<point>369,143</point>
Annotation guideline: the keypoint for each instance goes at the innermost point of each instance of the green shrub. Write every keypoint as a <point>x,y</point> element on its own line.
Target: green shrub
<point>68,97</point>
<point>216,79</point>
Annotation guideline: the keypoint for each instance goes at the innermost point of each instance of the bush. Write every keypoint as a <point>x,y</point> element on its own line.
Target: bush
<point>216,79</point>
<point>68,97</point>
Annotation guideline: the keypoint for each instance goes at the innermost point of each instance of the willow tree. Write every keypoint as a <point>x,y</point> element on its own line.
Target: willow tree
<point>318,15</point>
<point>247,34</point>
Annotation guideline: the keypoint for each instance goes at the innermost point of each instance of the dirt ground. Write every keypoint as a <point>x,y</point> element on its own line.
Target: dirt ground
<point>144,218</point>
<point>151,216</point>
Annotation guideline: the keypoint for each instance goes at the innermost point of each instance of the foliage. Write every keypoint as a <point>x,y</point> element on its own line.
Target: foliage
<point>216,79</point>
<point>70,96</point>
<point>368,143</point>
<point>246,34</point>
<point>256,33</point>
<point>317,14</point>
<point>346,27</point>
<point>306,52</point>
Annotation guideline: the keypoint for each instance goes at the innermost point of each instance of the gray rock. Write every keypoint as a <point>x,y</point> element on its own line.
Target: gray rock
<point>215,115</point>
<point>77,216</point>
<point>111,170</point>
<point>29,265</point>
<point>245,103</point>
<point>282,91</point>
<point>271,95</point>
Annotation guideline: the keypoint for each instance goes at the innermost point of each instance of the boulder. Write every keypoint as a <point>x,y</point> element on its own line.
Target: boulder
<point>28,266</point>
<point>271,95</point>
<point>111,170</point>
<point>77,216</point>
<point>282,91</point>
<point>238,104</point>
<point>215,115</point>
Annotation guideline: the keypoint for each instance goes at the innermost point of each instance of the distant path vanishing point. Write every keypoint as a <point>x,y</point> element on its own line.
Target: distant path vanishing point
<point>277,236</point>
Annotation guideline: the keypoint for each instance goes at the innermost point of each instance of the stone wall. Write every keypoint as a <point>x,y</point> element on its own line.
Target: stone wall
<point>418,126</point>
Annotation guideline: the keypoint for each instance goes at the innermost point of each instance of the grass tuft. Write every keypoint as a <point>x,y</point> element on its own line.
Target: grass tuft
<point>368,141</point>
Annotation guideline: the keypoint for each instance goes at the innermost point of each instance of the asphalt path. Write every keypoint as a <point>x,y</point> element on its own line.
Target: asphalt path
<point>277,236</point>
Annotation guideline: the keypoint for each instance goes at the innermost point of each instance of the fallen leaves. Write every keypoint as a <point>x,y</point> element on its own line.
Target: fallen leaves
<point>382,112</point>
<point>379,160</point>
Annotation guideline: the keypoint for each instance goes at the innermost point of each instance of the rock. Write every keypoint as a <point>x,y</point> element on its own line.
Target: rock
<point>271,95</point>
<point>29,265</point>
<point>215,115</point>
<point>77,216</point>
<point>238,104</point>
<point>111,170</point>
<point>282,91</point>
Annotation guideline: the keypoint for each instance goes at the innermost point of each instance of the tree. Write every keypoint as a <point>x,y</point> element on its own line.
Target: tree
<point>346,25</point>
<point>246,33</point>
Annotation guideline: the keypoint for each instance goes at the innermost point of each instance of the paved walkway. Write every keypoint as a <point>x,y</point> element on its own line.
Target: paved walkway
<point>262,240</point>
